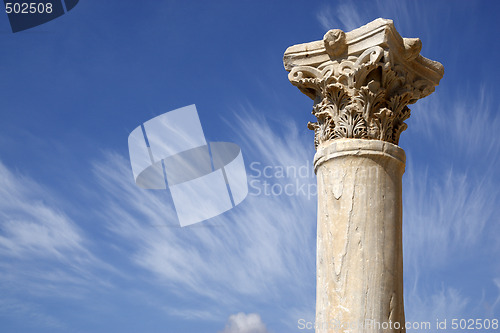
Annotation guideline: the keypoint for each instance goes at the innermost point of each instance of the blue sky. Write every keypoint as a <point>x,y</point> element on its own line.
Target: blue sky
<point>82,249</point>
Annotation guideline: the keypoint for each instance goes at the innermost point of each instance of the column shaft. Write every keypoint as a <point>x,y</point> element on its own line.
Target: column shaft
<point>359,244</point>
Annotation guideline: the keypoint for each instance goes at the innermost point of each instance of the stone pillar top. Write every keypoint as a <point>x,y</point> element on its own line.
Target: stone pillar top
<point>362,81</point>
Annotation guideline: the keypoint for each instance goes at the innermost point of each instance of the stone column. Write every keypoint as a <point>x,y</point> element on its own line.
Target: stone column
<point>361,82</point>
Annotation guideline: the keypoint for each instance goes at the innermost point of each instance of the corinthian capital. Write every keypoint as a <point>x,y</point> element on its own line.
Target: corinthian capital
<point>362,81</point>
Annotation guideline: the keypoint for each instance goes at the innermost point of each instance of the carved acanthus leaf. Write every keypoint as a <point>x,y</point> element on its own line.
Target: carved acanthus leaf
<point>351,124</point>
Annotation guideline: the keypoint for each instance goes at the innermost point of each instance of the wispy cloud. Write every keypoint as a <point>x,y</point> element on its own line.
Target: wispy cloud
<point>464,127</point>
<point>245,323</point>
<point>31,228</point>
<point>497,301</point>
<point>193,314</point>
<point>443,304</point>
<point>343,16</point>
<point>262,250</point>
<point>43,253</point>
<point>31,315</point>
<point>450,202</point>
<point>348,15</point>
<point>445,214</point>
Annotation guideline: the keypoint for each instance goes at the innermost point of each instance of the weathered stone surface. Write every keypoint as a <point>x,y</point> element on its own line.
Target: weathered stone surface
<point>361,82</point>
<point>359,256</point>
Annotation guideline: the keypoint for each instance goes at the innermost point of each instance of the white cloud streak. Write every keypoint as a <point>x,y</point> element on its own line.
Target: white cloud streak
<point>466,126</point>
<point>443,304</point>
<point>31,228</point>
<point>344,16</point>
<point>349,14</point>
<point>445,215</point>
<point>43,253</point>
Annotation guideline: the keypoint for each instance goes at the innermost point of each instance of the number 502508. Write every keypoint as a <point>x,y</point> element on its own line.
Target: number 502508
<point>474,324</point>
<point>28,8</point>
